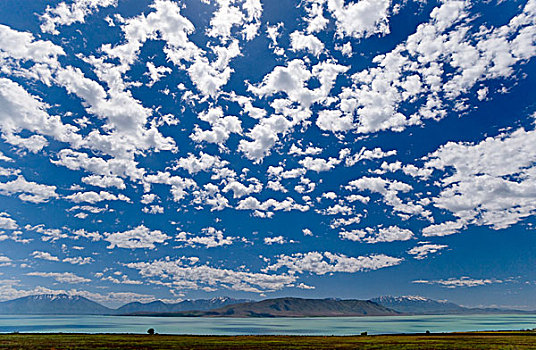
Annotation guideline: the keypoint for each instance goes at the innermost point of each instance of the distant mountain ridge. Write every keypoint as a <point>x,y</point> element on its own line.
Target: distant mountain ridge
<point>63,304</point>
<point>295,307</point>
<point>53,304</point>
<point>417,305</point>
<point>185,305</point>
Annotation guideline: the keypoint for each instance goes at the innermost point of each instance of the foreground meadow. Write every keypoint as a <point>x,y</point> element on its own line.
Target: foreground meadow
<point>472,341</point>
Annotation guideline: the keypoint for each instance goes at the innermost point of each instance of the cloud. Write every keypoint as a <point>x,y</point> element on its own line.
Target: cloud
<point>205,162</point>
<point>378,234</point>
<point>413,73</point>
<point>5,261</point>
<point>62,277</point>
<point>124,279</point>
<point>210,195</point>
<point>422,251</point>
<point>240,190</point>
<point>7,223</point>
<point>112,167</point>
<point>95,197</point>
<point>307,232</point>
<point>307,42</point>
<point>156,73</point>
<point>79,260</point>
<point>89,208</point>
<point>221,127</point>
<point>44,256</point>
<point>315,19</point>
<point>263,137</point>
<point>93,236</point>
<point>153,209</point>
<point>178,184</point>
<point>5,158</point>
<point>64,14</point>
<point>212,238</point>
<point>252,203</point>
<point>138,237</point>
<point>310,150</point>
<point>322,263</point>
<point>479,187</point>
<point>230,14</point>
<point>290,79</point>
<point>461,282</point>
<point>443,229</point>
<point>389,190</point>
<point>337,209</point>
<point>23,46</point>
<point>334,121</point>
<point>182,274</point>
<point>148,198</point>
<point>274,240</point>
<point>329,195</point>
<point>48,234</point>
<point>208,78</point>
<point>104,181</point>
<point>28,191</point>
<point>319,164</point>
<point>165,23</point>
<point>368,154</point>
<point>360,19</point>
<point>23,111</point>
<point>126,118</point>
<point>281,173</point>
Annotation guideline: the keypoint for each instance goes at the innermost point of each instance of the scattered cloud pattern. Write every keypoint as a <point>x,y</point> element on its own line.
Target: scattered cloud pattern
<point>168,149</point>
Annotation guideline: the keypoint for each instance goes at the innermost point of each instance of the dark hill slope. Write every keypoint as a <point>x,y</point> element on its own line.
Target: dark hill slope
<point>296,307</point>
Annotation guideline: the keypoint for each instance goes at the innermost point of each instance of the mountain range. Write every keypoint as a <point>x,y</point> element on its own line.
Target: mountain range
<point>63,304</point>
<point>58,304</point>
<point>185,305</point>
<point>296,307</point>
<point>419,305</point>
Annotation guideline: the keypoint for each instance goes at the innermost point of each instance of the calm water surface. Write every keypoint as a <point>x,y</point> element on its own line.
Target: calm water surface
<point>288,326</point>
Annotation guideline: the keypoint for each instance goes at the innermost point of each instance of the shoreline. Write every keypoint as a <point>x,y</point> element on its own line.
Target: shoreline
<point>528,313</point>
<point>169,315</point>
<point>520,332</point>
<point>523,332</point>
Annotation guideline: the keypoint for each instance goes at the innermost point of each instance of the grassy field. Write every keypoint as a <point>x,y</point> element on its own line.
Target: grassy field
<point>472,341</point>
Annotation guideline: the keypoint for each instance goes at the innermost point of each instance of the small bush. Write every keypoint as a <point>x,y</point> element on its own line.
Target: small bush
<point>150,331</point>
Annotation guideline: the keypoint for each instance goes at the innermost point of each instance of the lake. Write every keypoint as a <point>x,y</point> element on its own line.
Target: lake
<point>259,326</point>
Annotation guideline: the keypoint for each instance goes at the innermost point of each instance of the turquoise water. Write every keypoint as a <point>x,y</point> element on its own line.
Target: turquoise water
<point>288,326</point>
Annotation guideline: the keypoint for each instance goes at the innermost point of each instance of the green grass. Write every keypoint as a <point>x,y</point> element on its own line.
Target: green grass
<point>469,341</point>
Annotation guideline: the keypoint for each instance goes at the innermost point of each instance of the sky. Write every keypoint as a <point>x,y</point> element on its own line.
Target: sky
<point>159,149</point>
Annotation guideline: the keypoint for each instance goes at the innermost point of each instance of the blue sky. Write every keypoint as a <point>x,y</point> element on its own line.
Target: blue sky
<point>317,148</point>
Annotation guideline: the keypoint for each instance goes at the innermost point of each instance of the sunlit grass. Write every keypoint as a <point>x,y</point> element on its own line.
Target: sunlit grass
<point>472,341</point>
